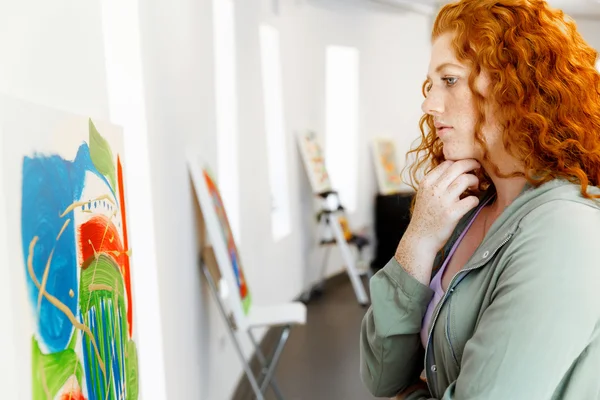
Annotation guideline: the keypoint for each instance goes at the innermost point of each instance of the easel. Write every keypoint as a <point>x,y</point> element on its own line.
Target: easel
<point>218,269</point>
<point>329,222</point>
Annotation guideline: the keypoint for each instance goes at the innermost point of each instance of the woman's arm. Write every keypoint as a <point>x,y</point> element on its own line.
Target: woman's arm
<point>390,347</point>
<point>543,315</point>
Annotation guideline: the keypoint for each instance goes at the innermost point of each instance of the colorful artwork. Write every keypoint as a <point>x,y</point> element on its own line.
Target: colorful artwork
<point>314,162</point>
<point>229,240</point>
<point>73,269</point>
<point>389,177</point>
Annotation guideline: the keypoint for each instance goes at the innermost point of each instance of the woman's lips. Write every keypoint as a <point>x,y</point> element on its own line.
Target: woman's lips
<point>443,130</point>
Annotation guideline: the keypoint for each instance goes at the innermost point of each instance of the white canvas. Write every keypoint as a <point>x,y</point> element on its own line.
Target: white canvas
<point>220,237</point>
<point>389,178</point>
<point>68,257</point>
<point>314,162</point>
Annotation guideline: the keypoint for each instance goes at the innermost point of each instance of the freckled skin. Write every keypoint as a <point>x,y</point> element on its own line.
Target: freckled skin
<point>438,209</point>
<point>438,206</point>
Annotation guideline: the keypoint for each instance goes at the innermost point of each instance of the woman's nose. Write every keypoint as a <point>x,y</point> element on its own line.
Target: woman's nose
<point>433,103</point>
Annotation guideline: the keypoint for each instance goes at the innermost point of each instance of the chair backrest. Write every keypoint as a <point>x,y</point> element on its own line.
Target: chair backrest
<point>221,238</point>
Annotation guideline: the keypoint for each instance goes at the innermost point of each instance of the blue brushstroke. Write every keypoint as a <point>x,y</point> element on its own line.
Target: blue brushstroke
<point>89,361</point>
<point>50,185</point>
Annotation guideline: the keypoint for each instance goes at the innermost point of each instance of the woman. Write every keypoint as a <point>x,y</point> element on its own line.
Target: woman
<point>494,289</point>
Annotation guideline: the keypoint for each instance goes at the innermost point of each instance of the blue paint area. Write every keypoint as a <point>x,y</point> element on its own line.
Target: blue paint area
<point>116,369</point>
<point>236,268</point>
<point>50,185</point>
<point>89,363</point>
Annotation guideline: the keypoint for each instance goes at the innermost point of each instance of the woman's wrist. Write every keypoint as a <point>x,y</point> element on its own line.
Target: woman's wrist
<point>416,256</point>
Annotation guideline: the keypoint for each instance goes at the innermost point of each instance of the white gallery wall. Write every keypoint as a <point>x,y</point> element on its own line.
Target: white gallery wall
<point>590,30</point>
<point>51,53</point>
<point>179,73</point>
<point>56,54</point>
<point>59,55</point>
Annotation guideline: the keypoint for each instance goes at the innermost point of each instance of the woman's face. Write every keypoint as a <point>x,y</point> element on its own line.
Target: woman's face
<point>451,103</point>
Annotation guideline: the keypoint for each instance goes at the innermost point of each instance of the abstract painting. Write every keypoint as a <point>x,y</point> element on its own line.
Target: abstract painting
<point>389,177</point>
<point>314,162</point>
<point>227,237</point>
<point>69,254</point>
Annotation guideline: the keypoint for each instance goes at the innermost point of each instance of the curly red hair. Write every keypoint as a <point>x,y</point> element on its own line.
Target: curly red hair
<point>543,79</point>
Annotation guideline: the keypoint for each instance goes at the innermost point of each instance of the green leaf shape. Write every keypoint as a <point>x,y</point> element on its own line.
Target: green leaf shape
<point>52,371</point>
<point>102,155</point>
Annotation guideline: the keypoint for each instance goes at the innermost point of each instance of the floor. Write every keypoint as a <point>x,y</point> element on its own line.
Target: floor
<point>321,359</point>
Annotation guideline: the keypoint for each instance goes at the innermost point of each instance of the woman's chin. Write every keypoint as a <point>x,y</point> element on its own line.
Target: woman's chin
<point>452,155</point>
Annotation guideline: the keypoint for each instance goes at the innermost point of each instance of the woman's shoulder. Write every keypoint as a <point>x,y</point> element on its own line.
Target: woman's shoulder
<point>557,201</point>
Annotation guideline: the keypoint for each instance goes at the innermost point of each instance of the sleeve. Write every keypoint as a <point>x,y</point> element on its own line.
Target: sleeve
<point>543,312</point>
<point>391,354</point>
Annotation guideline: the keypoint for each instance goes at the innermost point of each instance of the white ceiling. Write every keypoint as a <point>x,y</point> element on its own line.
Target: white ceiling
<point>575,8</point>
<point>581,8</point>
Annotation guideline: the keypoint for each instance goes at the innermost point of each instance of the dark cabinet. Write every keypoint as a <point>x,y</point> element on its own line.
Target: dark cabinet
<point>392,216</point>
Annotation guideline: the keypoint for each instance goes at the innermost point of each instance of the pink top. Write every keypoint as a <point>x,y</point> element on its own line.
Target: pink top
<point>436,282</point>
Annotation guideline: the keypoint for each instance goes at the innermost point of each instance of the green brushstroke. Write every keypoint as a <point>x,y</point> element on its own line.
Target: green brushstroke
<point>246,302</point>
<point>55,369</point>
<point>110,317</point>
<point>131,363</point>
<point>102,155</point>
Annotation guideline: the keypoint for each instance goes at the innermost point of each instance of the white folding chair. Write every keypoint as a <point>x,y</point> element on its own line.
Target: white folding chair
<point>281,315</point>
<point>218,268</point>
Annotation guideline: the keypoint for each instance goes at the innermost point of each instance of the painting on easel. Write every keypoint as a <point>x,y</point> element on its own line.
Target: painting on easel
<point>314,162</point>
<point>222,250</point>
<point>389,178</point>
<point>69,254</point>
<point>232,252</point>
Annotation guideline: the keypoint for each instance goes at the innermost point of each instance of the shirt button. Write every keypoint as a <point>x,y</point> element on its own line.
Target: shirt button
<point>433,368</point>
<point>486,254</point>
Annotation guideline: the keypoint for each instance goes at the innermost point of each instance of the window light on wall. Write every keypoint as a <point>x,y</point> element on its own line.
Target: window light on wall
<point>226,110</point>
<point>275,129</point>
<point>341,124</point>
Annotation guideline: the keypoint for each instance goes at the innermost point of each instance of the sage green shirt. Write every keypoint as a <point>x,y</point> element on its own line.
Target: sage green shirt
<point>521,320</point>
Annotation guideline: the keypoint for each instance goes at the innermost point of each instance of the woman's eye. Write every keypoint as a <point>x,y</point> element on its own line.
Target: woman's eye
<point>450,80</point>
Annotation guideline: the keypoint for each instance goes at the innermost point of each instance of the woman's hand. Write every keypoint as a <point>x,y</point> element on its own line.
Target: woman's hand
<point>438,209</point>
<point>410,390</point>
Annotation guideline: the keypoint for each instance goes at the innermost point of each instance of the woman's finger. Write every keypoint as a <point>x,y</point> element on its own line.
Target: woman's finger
<point>433,175</point>
<point>464,206</point>
<point>455,170</point>
<point>462,183</point>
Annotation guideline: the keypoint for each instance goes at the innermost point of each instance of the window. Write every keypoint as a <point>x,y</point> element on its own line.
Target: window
<point>226,110</point>
<point>341,124</point>
<point>275,129</point>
